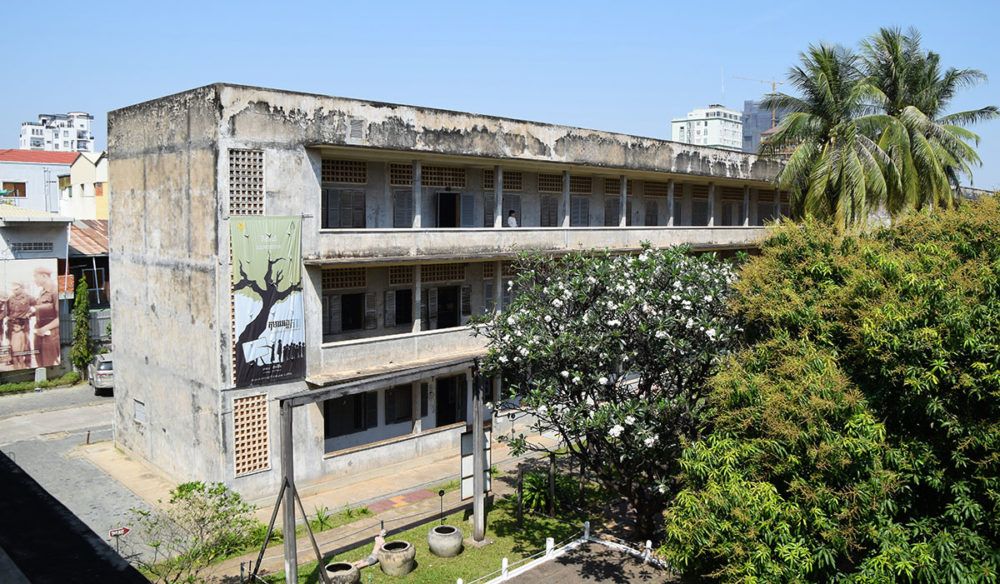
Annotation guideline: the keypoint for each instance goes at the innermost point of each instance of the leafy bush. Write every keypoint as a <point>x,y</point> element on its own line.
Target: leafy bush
<point>70,378</point>
<point>535,495</point>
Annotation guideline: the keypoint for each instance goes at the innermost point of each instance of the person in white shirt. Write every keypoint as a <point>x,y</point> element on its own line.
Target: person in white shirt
<point>511,219</point>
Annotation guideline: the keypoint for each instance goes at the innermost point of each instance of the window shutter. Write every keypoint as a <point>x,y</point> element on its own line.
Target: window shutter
<point>390,308</point>
<point>389,397</point>
<point>333,314</point>
<point>579,212</point>
<point>371,409</point>
<point>611,212</point>
<point>488,300</point>
<point>628,212</point>
<point>331,211</point>
<point>550,212</point>
<point>425,313</point>
<point>359,209</point>
<point>466,300</point>
<point>652,212</point>
<point>468,210</point>
<point>402,209</point>
<point>432,303</point>
<point>490,203</point>
<point>423,400</point>
<point>513,203</point>
<point>346,210</point>
<point>371,305</point>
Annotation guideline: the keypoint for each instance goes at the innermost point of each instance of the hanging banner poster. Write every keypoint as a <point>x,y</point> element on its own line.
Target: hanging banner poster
<point>267,299</point>
<point>29,314</point>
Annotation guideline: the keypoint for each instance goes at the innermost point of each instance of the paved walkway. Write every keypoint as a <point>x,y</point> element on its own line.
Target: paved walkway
<point>594,563</point>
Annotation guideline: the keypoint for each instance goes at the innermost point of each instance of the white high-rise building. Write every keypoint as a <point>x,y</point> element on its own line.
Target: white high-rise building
<point>715,127</point>
<point>59,132</point>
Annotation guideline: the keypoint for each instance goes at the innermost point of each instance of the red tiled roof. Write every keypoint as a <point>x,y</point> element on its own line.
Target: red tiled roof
<point>38,156</point>
<point>88,238</point>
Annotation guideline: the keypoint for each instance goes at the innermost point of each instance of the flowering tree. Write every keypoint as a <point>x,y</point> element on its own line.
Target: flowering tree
<point>612,354</point>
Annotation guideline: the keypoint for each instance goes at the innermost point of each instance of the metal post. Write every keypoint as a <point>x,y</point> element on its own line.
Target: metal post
<point>670,204</point>
<point>288,472</point>
<point>566,200</point>
<point>552,484</point>
<point>520,495</point>
<point>498,216</point>
<point>623,202</point>
<point>418,196</point>
<point>478,455</point>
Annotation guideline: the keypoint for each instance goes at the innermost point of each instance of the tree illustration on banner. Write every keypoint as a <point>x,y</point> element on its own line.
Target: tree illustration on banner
<point>267,299</point>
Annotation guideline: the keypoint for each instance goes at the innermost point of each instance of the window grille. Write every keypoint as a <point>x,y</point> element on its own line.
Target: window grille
<point>550,183</point>
<point>699,190</point>
<point>246,182</point>
<point>512,180</point>
<point>489,270</point>
<point>581,185</point>
<point>250,434</point>
<point>31,246</point>
<point>345,171</point>
<point>442,272</point>
<point>732,193</point>
<point>400,275</point>
<point>401,175</point>
<point>443,176</point>
<point>338,278</point>
<point>613,186</point>
<point>657,189</point>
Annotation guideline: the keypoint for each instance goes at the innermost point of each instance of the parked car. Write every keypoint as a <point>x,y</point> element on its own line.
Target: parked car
<point>101,373</point>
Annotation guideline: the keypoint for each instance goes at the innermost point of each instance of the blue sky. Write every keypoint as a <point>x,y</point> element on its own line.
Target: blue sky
<point>623,66</point>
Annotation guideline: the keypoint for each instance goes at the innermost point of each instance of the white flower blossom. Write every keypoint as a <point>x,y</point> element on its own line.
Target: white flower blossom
<point>557,303</point>
<point>542,410</point>
<point>576,380</point>
<point>548,318</point>
<point>629,419</point>
<point>565,374</point>
<point>614,322</point>
<point>710,333</point>
<point>650,441</point>
<point>661,334</point>
<point>510,320</point>
<point>523,351</point>
<point>603,381</point>
<point>616,431</point>
<point>503,358</point>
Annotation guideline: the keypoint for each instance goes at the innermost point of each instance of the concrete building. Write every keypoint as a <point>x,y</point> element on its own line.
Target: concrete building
<point>403,240</point>
<point>34,180</point>
<point>714,127</point>
<point>756,122</point>
<point>86,197</point>
<point>59,133</point>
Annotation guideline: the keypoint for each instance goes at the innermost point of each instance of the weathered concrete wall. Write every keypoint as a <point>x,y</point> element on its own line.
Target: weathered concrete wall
<point>168,316</point>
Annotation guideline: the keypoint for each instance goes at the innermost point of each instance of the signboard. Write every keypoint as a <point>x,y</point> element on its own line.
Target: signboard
<point>468,490</point>
<point>267,299</point>
<point>119,531</point>
<point>29,314</point>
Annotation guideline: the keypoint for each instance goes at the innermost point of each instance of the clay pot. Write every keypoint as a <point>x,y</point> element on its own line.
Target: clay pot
<point>397,557</point>
<point>445,541</point>
<point>342,573</point>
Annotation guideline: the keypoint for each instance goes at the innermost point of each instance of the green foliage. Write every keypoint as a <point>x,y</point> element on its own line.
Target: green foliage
<point>200,524</point>
<point>69,378</point>
<point>82,351</point>
<point>911,317</point>
<point>535,494</point>
<point>612,353</point>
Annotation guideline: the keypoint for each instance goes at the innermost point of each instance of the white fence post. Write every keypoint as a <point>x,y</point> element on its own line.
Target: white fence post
<point>550,545</point>
<point>503,569</point>
<point>459,581</point>
<point>586,530</point>
<point>648,552</point>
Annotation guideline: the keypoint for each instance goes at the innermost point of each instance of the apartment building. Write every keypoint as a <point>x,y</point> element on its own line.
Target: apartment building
<point>715,126</point>
<point>396,223</point>
<point>69,132</point>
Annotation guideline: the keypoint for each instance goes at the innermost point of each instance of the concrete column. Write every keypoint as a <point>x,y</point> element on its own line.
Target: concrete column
<point>746,205</point>
<point>777,203</point>
<point>416,299</point>
<point>498,214</point>
<point>688,198</point>
<point>478,457</point>
<point>754,206</point>
<point>671,213</point>
<point>415,407</point>
<point>566,199</point>
<point>288,508</point>
<point>711,204</point>
<point>498,285</point>
<point>418,196</point>
<point>623,202</point>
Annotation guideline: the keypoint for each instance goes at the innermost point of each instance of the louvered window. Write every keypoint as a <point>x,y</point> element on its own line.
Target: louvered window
<point>579,215</point>
<point>343,209</point>
<point>612,206</point>
<point>246,182</point>
<point>613,186</point>
<point>512,180</point>
<point>402,209</point>
<point>550,183</point>
<point>657,189</point>
<point>549,211</point>
<point>652,217</point>
<point>251,448</point>
<point>345,171</point>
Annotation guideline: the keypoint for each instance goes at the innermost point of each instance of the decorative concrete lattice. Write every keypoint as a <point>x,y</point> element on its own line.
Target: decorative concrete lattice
<point>442,272</point>
<point>581,185</point>
<point>489,270</point>
<point>613,186</point>
<point>336,278</point>
<point>401,175</point>
<point>251,449</point>
<point>657,189</point>
<point>550,183</point>
<point>246,182</point>
<point>443,176</point>
<point>512,180</point>
<point>732,193</point>
<point>699,190</point>
<point>31,246</point>
<point>354,172</point>
<point>400,275</point>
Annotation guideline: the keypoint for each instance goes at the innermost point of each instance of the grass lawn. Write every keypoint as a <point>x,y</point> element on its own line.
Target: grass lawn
<point>501,529</point>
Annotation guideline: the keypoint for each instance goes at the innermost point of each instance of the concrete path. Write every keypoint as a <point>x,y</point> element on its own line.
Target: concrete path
<point>57,398</point>
<point>54,424</point>
<point>597,564</point>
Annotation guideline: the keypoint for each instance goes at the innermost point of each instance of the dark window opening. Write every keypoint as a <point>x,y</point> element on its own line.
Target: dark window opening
<point>447,210</point>
<point>352,312</point>
<point>404,307</point>
<point>343,209</point>
<point>350,414</point>
<point>399,404</point>
<point>449,307</point>
<point>450,400</point>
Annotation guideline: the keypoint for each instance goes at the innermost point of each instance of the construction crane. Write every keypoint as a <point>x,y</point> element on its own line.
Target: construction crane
<point>774,89</point>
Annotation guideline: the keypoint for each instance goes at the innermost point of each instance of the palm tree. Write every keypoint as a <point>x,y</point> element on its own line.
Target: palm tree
<point>930,150</point>
<point>836,169</point>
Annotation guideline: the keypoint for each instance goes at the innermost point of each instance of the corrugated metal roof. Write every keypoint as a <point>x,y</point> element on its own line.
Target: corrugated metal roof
<point>88,238</point>
<point>37,156</point>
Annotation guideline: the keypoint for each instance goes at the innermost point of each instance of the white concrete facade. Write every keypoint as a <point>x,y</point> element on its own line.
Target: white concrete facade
<point>87,196</point>
<point>40,181</point>
<point>425,250</point>
<point>69,132</point>
<point>715,126</point>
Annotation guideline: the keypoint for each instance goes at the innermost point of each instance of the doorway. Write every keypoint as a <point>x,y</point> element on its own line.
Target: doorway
<point>447,210</point>
<point>450,400</point>
<point>449,313</point>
